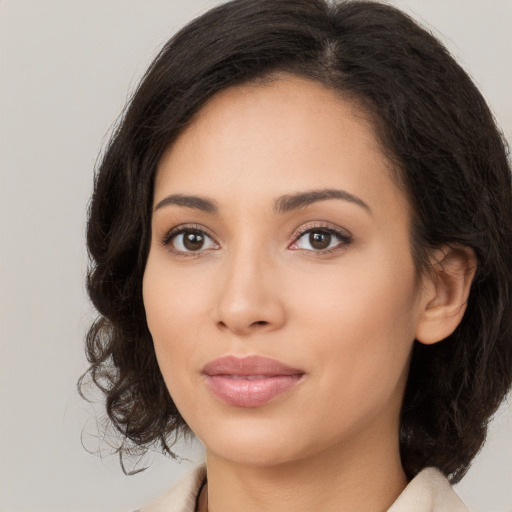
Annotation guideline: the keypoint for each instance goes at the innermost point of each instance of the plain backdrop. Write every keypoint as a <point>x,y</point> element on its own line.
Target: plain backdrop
<point>66,69</point>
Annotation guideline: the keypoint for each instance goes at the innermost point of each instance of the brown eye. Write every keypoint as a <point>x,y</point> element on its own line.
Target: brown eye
<point>320,239</point>
<point>191,240</point>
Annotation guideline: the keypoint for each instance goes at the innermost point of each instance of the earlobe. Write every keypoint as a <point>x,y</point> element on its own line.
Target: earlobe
<point>445,293</point>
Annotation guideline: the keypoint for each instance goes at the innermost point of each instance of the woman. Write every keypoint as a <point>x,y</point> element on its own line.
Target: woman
<point>301,239</point>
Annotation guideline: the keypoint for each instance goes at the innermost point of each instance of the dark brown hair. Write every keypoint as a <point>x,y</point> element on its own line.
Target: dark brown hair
<point>434,125</point>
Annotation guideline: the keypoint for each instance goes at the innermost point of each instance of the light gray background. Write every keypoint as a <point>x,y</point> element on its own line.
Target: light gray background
<point>66,68</point>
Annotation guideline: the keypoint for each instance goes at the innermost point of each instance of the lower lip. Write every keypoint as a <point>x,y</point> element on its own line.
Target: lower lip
<point>250,392</point>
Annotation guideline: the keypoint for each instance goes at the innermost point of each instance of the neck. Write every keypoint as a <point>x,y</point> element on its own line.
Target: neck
<point>343,480</point>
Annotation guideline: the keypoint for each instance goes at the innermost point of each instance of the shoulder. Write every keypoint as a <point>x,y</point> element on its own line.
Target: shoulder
<point>429,491</point>
<point>182,496</point>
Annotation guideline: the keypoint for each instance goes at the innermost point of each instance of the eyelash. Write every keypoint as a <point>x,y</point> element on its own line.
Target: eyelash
<point>344,239</point>
<point>179,230</point>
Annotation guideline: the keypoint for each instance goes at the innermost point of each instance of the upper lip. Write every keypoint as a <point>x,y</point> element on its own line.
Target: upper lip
<point>250,365</point>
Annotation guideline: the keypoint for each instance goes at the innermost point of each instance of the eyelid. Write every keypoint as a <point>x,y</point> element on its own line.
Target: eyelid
<point>169,235</point>
<point>342,234</point>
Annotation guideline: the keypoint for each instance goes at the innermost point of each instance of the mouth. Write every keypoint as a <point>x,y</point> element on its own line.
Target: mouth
<point>250,381</point>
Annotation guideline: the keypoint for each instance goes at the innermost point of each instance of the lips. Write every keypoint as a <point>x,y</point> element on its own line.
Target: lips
<point>250,381</point>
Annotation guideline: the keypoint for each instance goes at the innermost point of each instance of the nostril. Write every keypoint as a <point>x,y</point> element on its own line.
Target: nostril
<point>260,322</point>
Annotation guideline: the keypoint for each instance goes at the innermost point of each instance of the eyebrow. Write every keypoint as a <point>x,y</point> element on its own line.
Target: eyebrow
<point>282,204</point>
<point>302,199</point>
<point>198,203</point>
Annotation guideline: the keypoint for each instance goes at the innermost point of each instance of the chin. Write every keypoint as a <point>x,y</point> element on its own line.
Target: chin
<point>252,443</point>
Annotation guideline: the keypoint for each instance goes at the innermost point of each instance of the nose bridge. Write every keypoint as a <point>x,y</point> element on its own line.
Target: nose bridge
<point>249,297</point>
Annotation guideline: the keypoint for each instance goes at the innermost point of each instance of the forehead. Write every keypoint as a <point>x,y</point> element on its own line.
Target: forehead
<point>274,137</point>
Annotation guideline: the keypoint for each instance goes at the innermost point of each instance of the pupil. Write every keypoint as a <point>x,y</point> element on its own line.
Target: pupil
<point>193,241</point>
<point>320,240</point>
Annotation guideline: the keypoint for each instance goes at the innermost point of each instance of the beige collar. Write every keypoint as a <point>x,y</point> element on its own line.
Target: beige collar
<point>429,491</point>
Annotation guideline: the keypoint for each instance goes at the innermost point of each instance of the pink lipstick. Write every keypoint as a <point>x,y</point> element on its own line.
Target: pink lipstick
<point>250,381</point>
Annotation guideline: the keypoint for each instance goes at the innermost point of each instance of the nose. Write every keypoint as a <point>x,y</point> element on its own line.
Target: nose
<point>250,299</point>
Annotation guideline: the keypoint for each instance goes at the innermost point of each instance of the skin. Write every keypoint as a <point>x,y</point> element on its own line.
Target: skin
<point>347,317</point>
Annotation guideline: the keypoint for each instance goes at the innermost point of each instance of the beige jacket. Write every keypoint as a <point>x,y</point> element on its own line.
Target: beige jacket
<point>429,491</point>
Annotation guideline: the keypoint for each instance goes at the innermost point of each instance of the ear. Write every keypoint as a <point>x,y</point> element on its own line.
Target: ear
<point>445,292</point>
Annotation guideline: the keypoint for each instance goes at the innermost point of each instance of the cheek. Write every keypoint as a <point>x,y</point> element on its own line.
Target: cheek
<point>172,306</point>
<point>174,297</point>
<point>357,296</point>
<point>360,324</point>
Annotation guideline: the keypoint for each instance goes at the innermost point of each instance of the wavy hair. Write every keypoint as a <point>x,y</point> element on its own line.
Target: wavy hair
<point>450,159</point>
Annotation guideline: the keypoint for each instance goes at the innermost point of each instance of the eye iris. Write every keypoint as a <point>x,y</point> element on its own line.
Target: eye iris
<point>319,239</point>
<point>193,241</point>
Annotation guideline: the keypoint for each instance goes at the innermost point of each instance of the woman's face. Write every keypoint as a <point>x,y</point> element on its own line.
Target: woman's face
<point>280,290</point>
